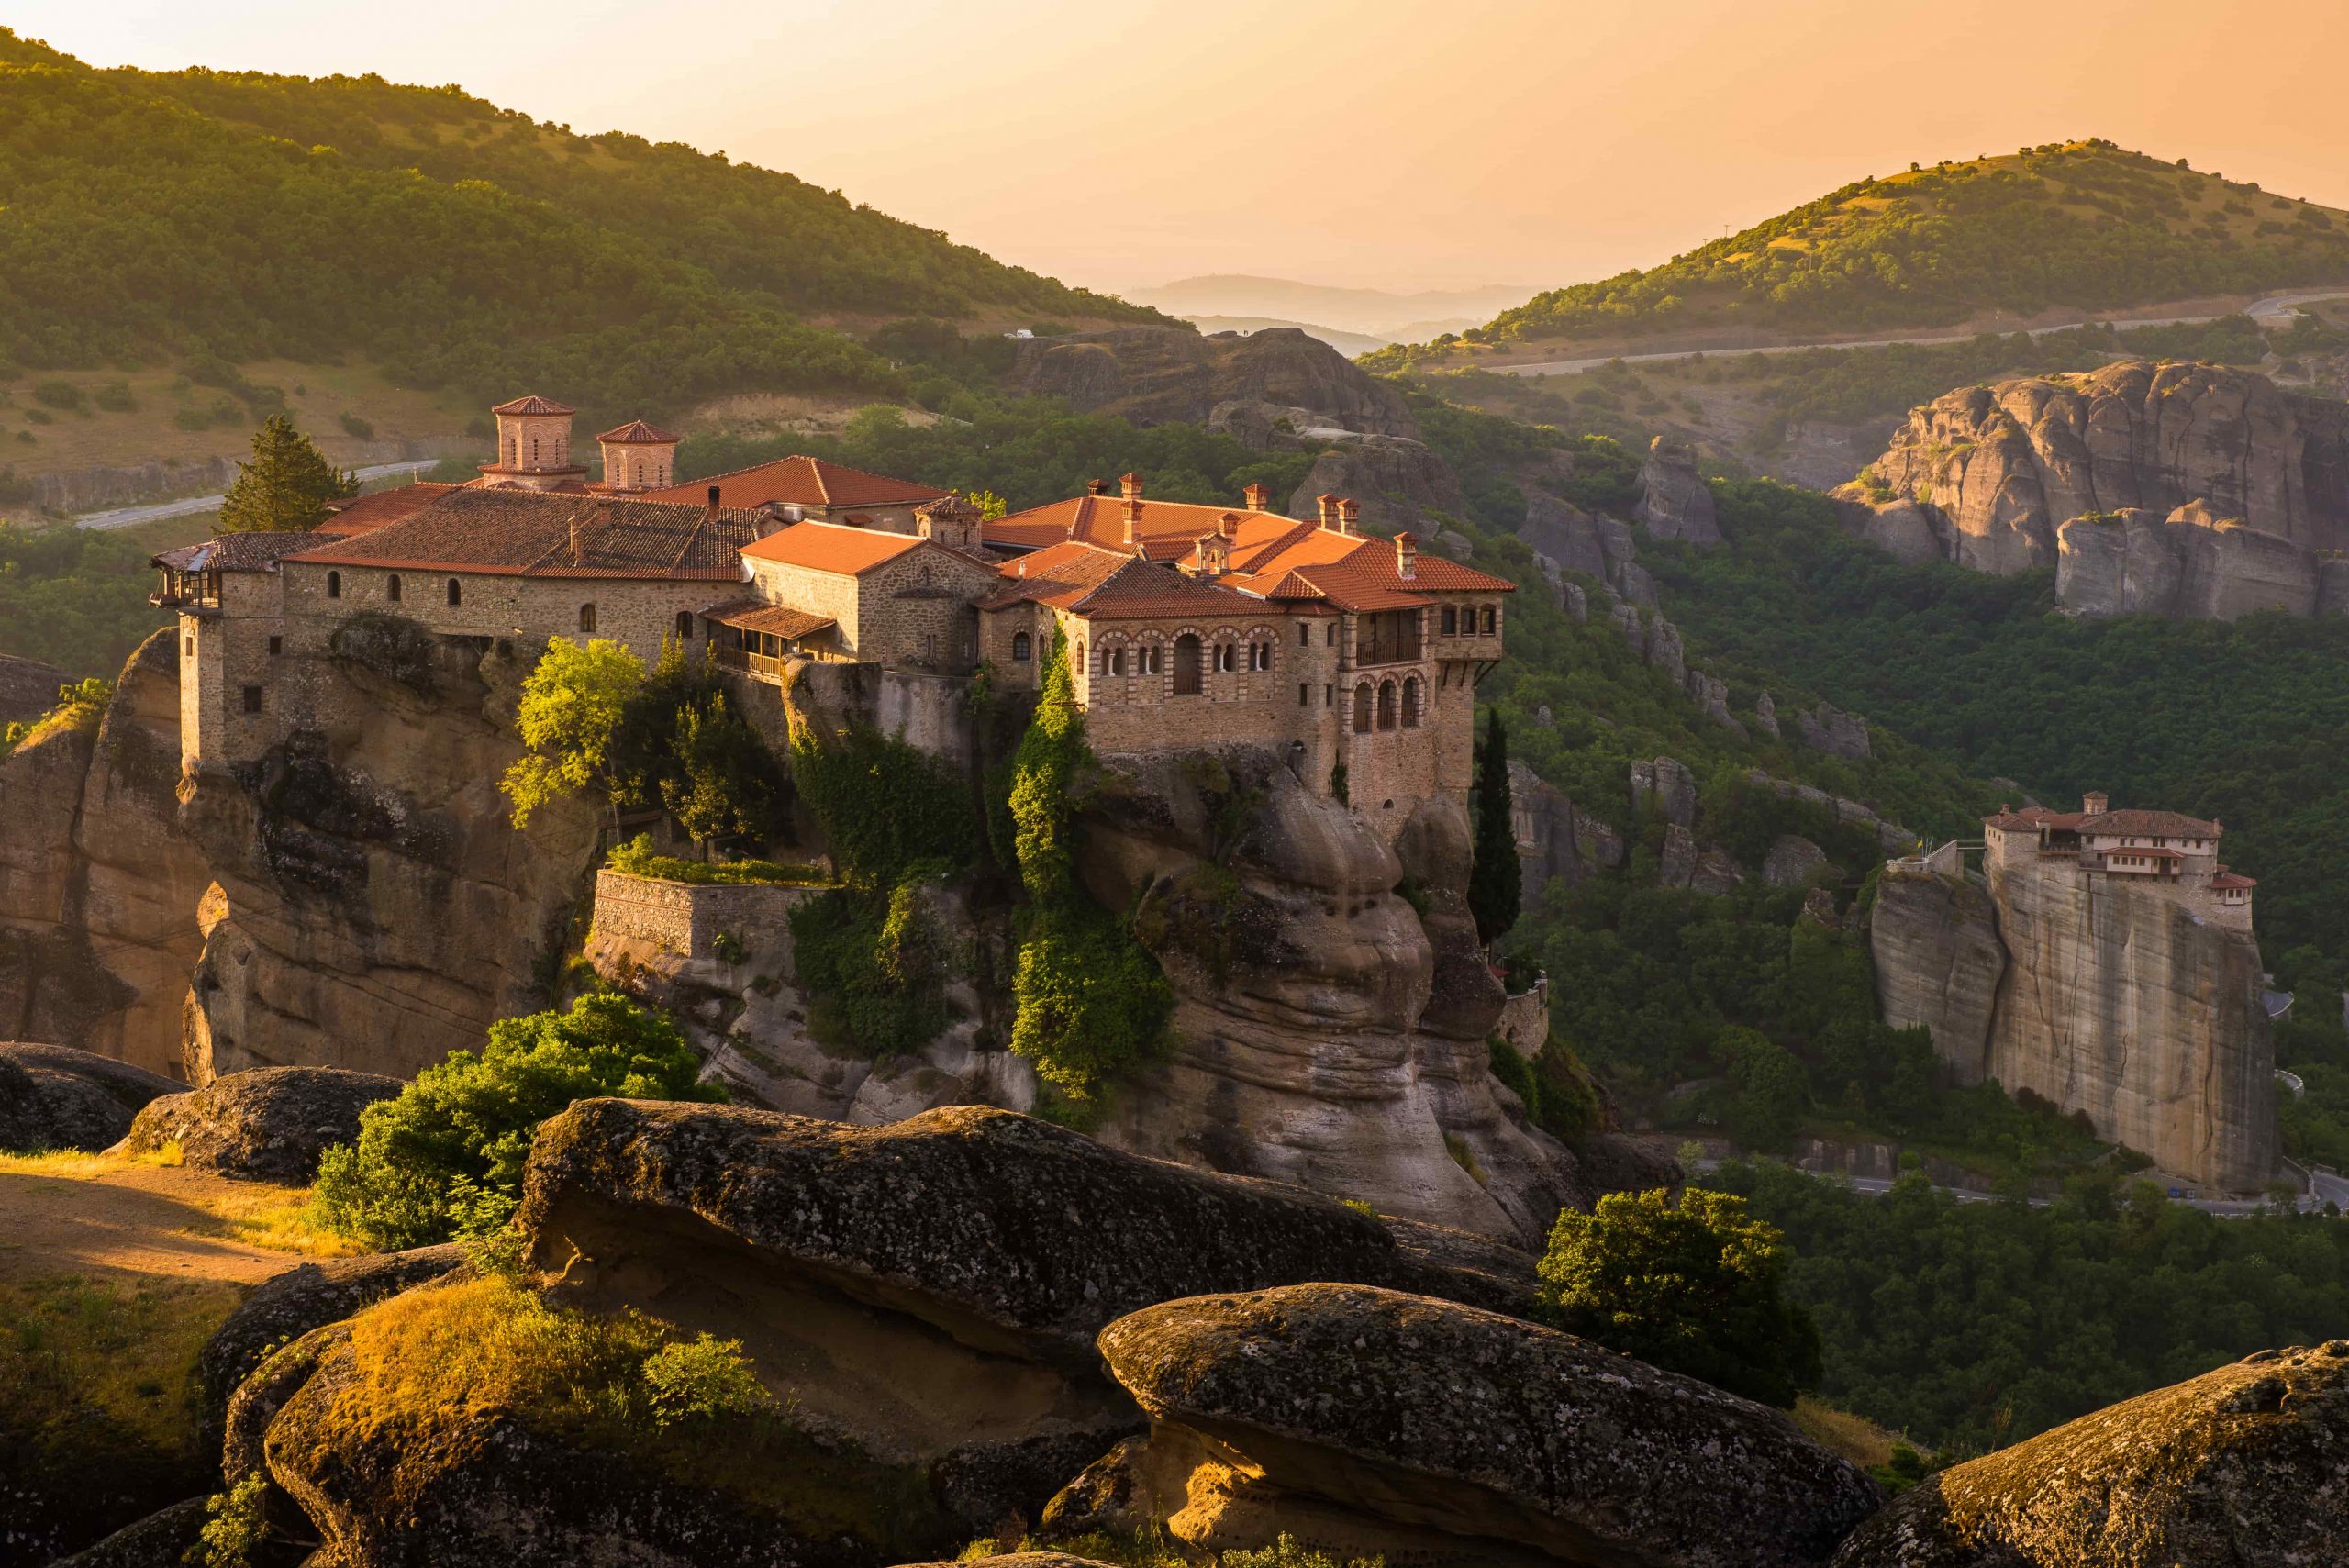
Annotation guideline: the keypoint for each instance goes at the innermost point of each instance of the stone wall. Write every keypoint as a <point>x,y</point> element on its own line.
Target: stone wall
<point>686,918</point>
<point>1525,1019</point>
<point>636,612</point>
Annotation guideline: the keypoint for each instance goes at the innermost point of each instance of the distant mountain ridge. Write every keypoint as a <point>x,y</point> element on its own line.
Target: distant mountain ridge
<point>2086,225</point>
<point>1377,313</point>
<point>240,216</point>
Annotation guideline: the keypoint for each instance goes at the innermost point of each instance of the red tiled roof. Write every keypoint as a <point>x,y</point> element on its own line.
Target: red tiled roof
<point>2233,879</point>
<point>363,512</point>
<point>255,552</point>
<point>637,433</point>
<point>1140,591</point>
<point>802,482</point>
<point>2154,824</point>
<point>777,620</point>
<point>532,403</point>
<point>833,546</point>
<point>2035,817</point>
<point>1101,519</point>
<point>1058,574</point>
<point>532,533</point>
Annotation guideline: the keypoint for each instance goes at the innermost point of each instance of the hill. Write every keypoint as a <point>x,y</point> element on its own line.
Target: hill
<point>1375,313</point>
<point>2084,226</point>
<point>209,216</point>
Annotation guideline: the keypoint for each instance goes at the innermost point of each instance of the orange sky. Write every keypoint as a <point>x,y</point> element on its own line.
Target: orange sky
<point>1387,143</point>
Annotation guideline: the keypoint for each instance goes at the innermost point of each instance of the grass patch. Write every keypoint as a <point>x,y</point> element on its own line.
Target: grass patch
<point>256,1213</point>
<point>74,1165</point>
<point>1857,1438</point>
<point>1151,1548</point>
<point>636,858</point>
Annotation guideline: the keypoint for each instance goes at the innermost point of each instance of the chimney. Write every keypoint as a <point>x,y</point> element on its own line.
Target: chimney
<point>1258,497</point>
<point>1096,487</point>
<point>1133,523</point>
<point>1329,506</point>
<point>2096,804</point>
<point>713,496</point>
<point>1130,485</point>
<point>1229,525</point>
<point>575,539</point>
<point>1350,518</point>
<point>1407,554</point>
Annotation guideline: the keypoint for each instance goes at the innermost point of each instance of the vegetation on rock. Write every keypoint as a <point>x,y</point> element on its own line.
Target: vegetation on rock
<point>1696,1287</point>
<point>1495,878</point>
<point>572,702</point>
<point>637,858</point>
<point>81,704</point>
<point>444,1158</point>
<point>286,485</point>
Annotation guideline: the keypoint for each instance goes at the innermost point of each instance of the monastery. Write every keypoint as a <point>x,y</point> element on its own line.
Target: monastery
<point>1186,625</point>
<point>2164,853</point>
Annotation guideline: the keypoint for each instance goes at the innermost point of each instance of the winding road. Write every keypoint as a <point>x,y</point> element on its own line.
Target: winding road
<point>2272,311</point>
<point>155,511</point>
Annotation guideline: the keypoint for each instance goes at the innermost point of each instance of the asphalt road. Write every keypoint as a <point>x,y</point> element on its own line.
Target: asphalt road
<point>154,511</point>
<point>2272,309</point>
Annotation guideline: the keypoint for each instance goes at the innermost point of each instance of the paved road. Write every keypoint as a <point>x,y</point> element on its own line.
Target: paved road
<point>2270,311</point>
<point>2334,1188</point>
<point>154,511</point>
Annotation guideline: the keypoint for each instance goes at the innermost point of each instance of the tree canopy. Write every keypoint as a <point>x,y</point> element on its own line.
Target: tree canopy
<point>286,485</point>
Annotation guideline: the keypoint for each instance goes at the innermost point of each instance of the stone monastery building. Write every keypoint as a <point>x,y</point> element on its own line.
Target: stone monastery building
<point>2161,851</point>
<point>1186,625</point>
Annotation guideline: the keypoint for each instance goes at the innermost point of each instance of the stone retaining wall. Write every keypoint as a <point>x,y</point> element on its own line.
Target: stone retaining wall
<point>686,918</point>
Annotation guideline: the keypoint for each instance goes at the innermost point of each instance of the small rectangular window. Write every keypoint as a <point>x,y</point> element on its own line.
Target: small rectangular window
<point>1328,696</point>
<point>252,699</point>
<point>1331,638</point>
<point>1304,635</point>
<point>191,648</point>
<point>1451,620</point>
<point>276,646</point>
<point>1305,694</point>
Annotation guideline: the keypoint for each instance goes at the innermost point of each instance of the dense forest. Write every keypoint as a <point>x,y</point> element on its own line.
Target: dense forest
<point>234,217</point>
<point>2083,226</point>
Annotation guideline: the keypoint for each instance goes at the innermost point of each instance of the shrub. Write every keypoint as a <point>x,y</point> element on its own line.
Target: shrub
<point>704,1379</point>
<point>444,1158</point>
<point>352,424</point>
<point>81,704</point>
<point>884,806</point>
<point>1695,1288</point>
<point>235,1524</point>
<point>58,395</point>
<point>637,859</point>
<point>114,398</point>
<point>872,969</point>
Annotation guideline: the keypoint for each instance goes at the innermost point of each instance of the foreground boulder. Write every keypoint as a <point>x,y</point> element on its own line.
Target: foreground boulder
<point>1361,1419</point>
<point>271,1124</point>
<point>2245,1467</point>
<point>160,1540</point>
<point>52,1096</point>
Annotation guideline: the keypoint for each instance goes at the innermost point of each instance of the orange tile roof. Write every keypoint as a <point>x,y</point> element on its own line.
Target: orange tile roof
<point>1141,591</point>
<point>2155,824</point>
<point>833,546</point>
<point>2233,879</point>
<point>1101,519</point>
<point>363,512</point>
<point>637,433</point>
<point>777,620</point>
<point>1059,575</point>
<point>536,533</point>
<point>802,482</point>
<point>531,403</point>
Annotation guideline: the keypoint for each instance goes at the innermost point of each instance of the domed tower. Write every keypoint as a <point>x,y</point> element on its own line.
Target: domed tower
<point>639,456</point>
<point>533,445</point>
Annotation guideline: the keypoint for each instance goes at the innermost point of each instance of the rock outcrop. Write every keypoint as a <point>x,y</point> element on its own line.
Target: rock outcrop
<point>52,1096</point>
<point>2118,1001</point>
<point>1673,502</point>
<point>270,1124</point>
<point>1988,475</point>
<point>1833,730</point>
<point>1398,482</point>
<point>2245,1467</point>
<point>1154,375</point>
<point>1362,1420</point>
<point>2190,564</point>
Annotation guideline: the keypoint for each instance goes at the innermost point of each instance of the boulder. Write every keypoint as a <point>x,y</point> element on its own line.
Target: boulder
<point>1710,693</point>
<point>1673,788</point>
<point>1632,581</point>
<point>1017,1559</point>
<point>2245,1467</point>
<point>1577,604</point>
<point>158,1541</point>
<point>1716,872</point>
<point>1910,533</point>
<point>1675,502</point>
<point>1792,861</point>
<point>53,1096</point>
<point>270,1124</point>
<point>1833,730</point>
<point>1664,648</point>
<point>1361,1419</point>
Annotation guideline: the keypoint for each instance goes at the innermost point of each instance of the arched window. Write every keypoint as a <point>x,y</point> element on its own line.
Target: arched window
<point>1386,704</point>
<point>392,589</point>
<point>534,448</point>
<point>1490,614</point>
<point>1077,656</point>
<point>1362,709</point>
<point>586,617</point>
<point>456,592</point>
<point>684,625</point>
<point>1113,660</point>
<point>1186,665</point>
<point>1022,648</point>
<point>1259,656</point>
<point>513,452</point>
<point>334,584</point>
<point>1226,659</point>
<point>1410,702</point>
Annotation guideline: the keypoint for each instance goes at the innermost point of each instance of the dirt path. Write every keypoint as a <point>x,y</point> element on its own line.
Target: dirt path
<point>162,1221</point>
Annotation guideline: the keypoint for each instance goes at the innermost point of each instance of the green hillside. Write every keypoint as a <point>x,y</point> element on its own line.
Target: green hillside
<point>455,244</point>
<point>2085,225</point>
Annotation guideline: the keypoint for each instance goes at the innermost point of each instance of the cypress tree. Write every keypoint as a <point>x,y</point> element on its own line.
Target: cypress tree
<point>1494,880</point>
<point>286,486</point>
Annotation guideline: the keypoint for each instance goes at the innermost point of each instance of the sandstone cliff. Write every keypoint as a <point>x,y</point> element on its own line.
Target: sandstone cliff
<point>356,898</point>
<point>1987,476</point>
<point>2190,564</point>
<point>2100,997</point>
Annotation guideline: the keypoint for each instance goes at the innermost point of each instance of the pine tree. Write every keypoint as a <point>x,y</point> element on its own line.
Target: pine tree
<point>286,486</point>
<point>1495,882</point>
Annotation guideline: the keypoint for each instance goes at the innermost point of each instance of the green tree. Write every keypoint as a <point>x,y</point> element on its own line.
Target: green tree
<point>1696,1288</point>
<point>573,703</point>
<point>444,1157</point>
<point>725,786</point>
<point>1495,881</point>
<point>286,486</point>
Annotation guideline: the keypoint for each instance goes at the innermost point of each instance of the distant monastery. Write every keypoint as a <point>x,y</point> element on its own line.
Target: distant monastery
<point>2157,852</point>
<point>1188,626</point>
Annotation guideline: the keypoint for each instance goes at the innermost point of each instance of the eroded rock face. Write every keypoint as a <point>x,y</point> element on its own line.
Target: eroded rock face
<point>1674,500</point>
<point>1361,1419</point>
<point>2245,1467</point>
<point>1154,375</point>
<point>1939,963</point>
<point>2191,564</point>
<point>1563,533</point>
<point>1398,482</point>
<point>52,1096</point>
<point>1325,1032</point>
<point>1998,470</point>
<point>272,1123</point>
<point>1833,730</point>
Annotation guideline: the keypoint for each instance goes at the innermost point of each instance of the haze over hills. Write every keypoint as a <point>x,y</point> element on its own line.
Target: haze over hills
<point>234,216</point>
<point>1374,312</point>
<point>2080,227</point>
